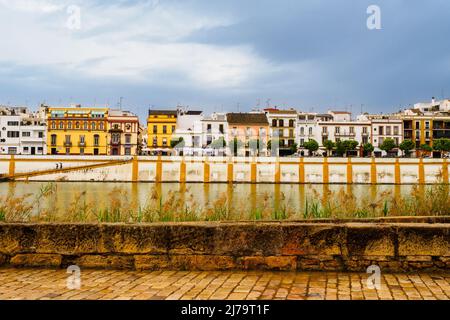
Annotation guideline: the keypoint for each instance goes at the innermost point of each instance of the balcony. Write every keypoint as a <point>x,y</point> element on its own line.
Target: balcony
<point>324,134</point>
<point>115,142</point>
<point>82,144</point>
<point>67,143</point>
<point>344,134</point>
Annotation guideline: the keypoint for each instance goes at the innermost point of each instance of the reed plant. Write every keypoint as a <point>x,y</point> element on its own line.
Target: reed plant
<point>182,205</point>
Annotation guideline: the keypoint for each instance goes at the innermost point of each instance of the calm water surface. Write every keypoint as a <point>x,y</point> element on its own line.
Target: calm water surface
<point>240,195</point>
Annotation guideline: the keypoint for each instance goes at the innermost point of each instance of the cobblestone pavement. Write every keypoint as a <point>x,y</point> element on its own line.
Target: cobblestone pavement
<point>111,284</point>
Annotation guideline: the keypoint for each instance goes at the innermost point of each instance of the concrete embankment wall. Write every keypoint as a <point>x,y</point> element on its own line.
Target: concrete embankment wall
<point>291,246</point>
<point>235,169</point>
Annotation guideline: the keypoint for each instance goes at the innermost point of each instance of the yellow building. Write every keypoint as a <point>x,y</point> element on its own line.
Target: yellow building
<point>161,125</point>
<point>77,131</point>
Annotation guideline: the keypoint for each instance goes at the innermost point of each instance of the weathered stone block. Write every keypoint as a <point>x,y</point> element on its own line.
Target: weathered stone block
<point>369,240</point>
<point>201,262</point>
<point>418,258</point>
<point>3,259</point>
<point>424,239</point>
<point>151,262</point>
<point>62,239</point>
<point>99,261</point>
<point>36,260</point>
<point>269,263</point>
<point>135,239</point>
<point>312,239</point>
<point>17,238</point>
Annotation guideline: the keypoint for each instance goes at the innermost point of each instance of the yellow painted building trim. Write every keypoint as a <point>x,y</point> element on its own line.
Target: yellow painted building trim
<point>253,171</point>
<point>206,171</point>
<point>349,171</point>
<point>230,172</point>
<point>135,170</point>
<point>182,171</point>
<point>277,171</point>
<point>158,177</point>
<point>301,171</point>
<point>422,131</point>
<point>421,172</point>
<point>397,172</point>
<point>445,171</point>
<point>12,166</point>
<point>325,171</point>
<point>373,171</point>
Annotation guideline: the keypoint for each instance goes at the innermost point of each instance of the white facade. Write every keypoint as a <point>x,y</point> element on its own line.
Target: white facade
<point>189,127</point>
<point>283,126</point>
<point>214,128</point>
<point>22,132</point>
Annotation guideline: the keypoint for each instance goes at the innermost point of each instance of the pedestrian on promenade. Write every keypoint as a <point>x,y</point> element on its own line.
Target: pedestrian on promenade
<point>57,165</point>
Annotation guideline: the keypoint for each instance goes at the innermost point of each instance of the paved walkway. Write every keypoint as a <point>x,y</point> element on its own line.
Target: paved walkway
<point>110,284</point>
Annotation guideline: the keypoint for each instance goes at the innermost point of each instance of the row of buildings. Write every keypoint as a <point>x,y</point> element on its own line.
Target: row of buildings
<point>78,130</point>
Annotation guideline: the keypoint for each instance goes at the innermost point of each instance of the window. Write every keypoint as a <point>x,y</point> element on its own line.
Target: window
<point>82,139</point>
<point>26,134</point>
<point>380,142</point>
<point>396,141</point>
<point>417,125</point>
<point>310,131</point>
<point>94,125</point>
<point>115,138</point>
<point>427,125</point>
<point>67,150</point>
<point>67,139</point>
<point>352,130</point>
<point>61,125</point>
<point>291,133</point>
<point>128,138</point>
<point>25,149</point>
<point>53,139</point>
<point>53,125</point>
<point>274,122</point>
<point>208,128</point>
<point>280,132</point>
<point>101,126</point>
<point>82,151</point>
<point>388,130</point>
<point>302,142</point>
<point>221,128</point>
<point>155,129</point>
<point>127,151</point>
<point>173,129</point>
<point>364,129</point>
<point>13,134</point>
<point>155,141</point>
<point>40,134</point>
<point>381,131</point>
<point>395,130</point>
<point>302,131</point>
<point>85,125</point>
<point>13,123</point>
<point>337,130</point>
<point>164,142</point>
<point>164,129</point>
<point>96,139</point>
<point>281,123</point>
<point>77,125</point>
<point>324,130</point>
<point>291,123</point>
<point>12,150</point>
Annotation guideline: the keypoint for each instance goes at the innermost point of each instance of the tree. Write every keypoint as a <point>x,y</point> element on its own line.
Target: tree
<point>368,148</point>
<point>255,145</point>
<point>342,147</point>
<point>275,143</point>
<point>235,145</point>
<point>442,145</point>
<point>218,143</point>
<point>388,144</point>
<point>311,145</point>
<point>426,148</point>
<point>294,148</point>
<point>329,145</point>
<point>406,146</point>
<point>177,143</point>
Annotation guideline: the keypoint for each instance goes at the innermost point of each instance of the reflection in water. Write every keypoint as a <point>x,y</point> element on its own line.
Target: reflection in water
<point>238,196</point>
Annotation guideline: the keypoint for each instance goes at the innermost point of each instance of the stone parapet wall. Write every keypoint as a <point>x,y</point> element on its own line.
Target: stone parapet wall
<point>227,169</point>
<point>229,246</point>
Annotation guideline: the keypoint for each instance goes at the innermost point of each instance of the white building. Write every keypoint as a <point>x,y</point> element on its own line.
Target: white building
<point>189,128</point>
<point>22,132</point>
<point>383,127</point>
<point>283,125</point>
<point>214,128</point>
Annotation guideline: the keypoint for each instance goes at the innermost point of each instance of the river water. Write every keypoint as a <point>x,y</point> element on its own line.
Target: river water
<point>238,195</point>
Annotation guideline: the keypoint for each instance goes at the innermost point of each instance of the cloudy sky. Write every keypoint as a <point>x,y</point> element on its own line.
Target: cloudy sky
<point>224,54</point>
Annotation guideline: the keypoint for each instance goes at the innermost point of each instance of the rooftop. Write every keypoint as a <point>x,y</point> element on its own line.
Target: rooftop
<point>247,118</point>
